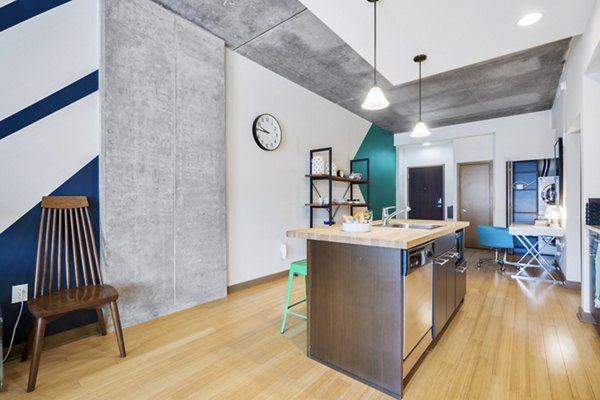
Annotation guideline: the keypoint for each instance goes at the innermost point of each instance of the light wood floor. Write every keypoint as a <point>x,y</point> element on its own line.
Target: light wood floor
<point>508,341</point>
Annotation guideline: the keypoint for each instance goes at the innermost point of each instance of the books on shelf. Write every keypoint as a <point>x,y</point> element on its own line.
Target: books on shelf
<point>541,222</point>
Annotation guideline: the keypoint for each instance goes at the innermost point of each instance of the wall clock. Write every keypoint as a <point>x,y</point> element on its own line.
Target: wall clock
<point>267,132</point>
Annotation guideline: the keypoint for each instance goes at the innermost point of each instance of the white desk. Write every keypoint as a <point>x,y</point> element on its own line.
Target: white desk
<point>521,232</point>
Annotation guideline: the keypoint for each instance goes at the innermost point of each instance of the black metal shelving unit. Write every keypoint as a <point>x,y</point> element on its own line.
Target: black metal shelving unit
<point>333,178</point>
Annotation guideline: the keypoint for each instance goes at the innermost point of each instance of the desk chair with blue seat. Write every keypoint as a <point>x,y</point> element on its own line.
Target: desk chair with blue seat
<point>498,239</point>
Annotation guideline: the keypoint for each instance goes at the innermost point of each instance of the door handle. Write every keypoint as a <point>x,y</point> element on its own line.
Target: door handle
<point>463,210</point>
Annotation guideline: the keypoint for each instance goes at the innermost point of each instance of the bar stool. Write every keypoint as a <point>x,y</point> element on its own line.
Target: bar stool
<point>298,268</point>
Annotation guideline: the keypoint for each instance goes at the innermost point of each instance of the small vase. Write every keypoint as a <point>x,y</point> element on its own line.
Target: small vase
<point>333,167</point>
<point>317,165</point>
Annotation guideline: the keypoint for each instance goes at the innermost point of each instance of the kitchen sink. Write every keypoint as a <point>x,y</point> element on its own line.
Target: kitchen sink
<point>404,225</point>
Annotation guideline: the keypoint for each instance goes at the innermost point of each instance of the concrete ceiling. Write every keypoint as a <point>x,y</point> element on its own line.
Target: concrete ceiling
<point>518,83</point>
<point>235,21</point>
<point>455,33</point>
<point>287,38</point>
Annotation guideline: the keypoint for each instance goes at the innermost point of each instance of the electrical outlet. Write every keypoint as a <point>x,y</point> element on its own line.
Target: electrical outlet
<point>19,293</point>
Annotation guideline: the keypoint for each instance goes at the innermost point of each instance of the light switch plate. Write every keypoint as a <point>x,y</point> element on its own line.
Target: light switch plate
<point>19,293</point>
<point>283,251</point>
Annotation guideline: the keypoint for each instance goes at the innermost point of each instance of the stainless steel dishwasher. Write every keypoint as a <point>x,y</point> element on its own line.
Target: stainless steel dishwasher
<point>417,302</point>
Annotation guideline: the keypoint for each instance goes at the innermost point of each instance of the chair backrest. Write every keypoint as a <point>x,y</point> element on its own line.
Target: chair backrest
<point>495,237</point>
<point>66,255</point>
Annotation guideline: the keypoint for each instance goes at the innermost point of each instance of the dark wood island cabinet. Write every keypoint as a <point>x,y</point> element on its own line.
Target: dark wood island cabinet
<point>355,318</point>
<point>356,290</point>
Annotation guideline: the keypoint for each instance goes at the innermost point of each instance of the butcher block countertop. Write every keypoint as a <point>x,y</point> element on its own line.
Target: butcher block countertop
<point>398,238</point>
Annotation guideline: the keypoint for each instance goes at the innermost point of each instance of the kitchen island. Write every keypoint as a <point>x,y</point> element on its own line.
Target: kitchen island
<point>357,292</point>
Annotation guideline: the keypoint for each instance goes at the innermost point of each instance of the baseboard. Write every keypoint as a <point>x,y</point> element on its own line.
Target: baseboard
<point>58,339</point>
<point>585,317</point>
<point>572,285</point>
<point>258,281</point>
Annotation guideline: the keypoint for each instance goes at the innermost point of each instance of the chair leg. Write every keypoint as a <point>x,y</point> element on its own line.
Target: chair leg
<point>101,321</point>
<point>38,344</point>
<point>497,260</point>
<point>27,347</point>
<point>287,301</point>
<point>118,331</point>
<point>306,288</point>
<point>482,261</point>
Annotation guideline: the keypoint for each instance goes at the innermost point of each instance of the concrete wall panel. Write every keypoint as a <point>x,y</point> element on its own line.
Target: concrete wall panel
<point>163,96</point>
<point>200,243</point>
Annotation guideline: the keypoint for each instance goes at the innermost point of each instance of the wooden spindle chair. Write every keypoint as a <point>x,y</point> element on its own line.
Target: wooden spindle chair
<point>67,274</point>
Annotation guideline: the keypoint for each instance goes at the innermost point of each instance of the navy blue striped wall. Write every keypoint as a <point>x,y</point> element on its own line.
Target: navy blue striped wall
<point>18,242</point>
<point>41,109</point>
<point>18,246</point>
<point>21,10</point>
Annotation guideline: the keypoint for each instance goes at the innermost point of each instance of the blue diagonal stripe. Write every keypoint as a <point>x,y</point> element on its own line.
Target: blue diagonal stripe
<point>65,96</point>
<point>21,10</point>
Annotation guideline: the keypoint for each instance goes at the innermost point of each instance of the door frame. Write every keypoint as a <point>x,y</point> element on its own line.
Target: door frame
<point>458,185</point>
<point>443,185</point>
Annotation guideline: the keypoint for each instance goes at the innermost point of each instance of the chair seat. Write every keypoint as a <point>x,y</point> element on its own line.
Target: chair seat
<point>72,299</point>
<point>299,267</point>
<point>495,237</point>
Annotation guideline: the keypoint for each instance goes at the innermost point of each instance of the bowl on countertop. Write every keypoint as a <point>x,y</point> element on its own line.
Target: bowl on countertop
<point>357,228</point>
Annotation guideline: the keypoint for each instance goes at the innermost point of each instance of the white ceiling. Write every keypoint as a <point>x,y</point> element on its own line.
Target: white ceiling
<point>453,33</point>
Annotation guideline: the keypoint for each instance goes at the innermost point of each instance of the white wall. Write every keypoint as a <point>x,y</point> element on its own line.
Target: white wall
<point>576,109</point>
<point>267,190</point>
<point>579,106</point>
<point>567,105</point>
<point>440,153</point>
<point>474,148</point>
<point>520,137</point>
<point>41,56</point>
<point>572,205</point>
<point>443,152</point>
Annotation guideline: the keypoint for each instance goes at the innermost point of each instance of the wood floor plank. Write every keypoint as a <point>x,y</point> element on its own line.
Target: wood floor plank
<point>509,340</point>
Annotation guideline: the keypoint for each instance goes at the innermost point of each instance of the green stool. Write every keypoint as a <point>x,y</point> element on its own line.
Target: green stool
<point>298,268</point>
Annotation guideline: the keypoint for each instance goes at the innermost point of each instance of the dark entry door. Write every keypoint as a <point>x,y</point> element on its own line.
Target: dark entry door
<point>426,192</point>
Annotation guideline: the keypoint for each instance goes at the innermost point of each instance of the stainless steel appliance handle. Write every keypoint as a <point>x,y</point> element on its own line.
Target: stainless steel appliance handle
<point>462,269</point>
<point>443,262</point>
<point>447,256</point>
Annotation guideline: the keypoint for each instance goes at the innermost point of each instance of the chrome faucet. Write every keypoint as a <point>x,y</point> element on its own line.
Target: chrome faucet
<point>386,216</point>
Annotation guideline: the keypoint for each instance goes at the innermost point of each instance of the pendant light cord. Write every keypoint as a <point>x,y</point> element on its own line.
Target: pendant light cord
<point>375,43</point>
<point>420,62</point>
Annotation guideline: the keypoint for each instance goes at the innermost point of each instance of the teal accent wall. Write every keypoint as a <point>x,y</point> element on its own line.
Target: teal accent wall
<point>378,146</point>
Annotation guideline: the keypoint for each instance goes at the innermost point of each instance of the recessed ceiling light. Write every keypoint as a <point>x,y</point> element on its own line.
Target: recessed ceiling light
<point>426,144</point>
<point>530,19</point>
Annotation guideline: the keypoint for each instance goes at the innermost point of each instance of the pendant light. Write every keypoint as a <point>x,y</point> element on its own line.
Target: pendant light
<point>375,99</point>
<point>420,129</point>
